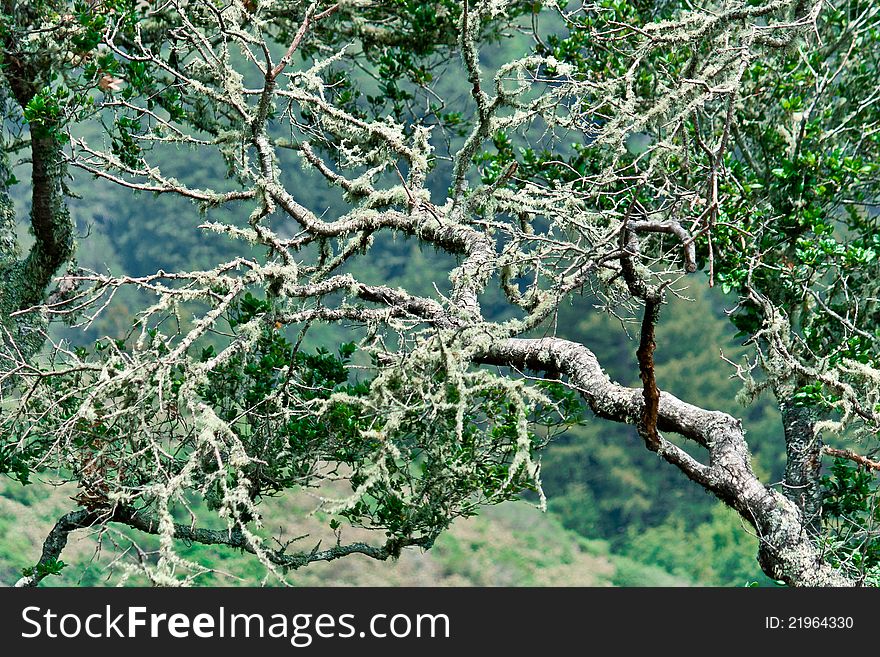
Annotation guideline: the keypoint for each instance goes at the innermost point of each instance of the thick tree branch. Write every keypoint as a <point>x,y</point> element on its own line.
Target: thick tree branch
<point>671,227</point>
<point>786,550</point>
<point>307,22</point>
<point>803,464</point>
<point>645,356</point>
<point>53,227</point>
<point>55,543</point>
<point>57,539</point>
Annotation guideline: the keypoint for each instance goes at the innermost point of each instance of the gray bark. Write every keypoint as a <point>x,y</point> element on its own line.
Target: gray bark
<point>786,550</point>
<point>56,541</point>
<point>24,281</point>
<point>803,447</point>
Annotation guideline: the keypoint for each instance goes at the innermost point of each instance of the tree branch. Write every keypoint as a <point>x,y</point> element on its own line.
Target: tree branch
<point>852,456</point>
<point>672,227</point>
<point>309,19</point>
<point>645,356</point>
<point>786,551</point>
<point>56,541</point>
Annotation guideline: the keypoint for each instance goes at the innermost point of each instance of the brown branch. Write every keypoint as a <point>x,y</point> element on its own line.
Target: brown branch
<point>297,39</point>
<point>653,297</point>
<point>852,456</point>
<point>645,356</point>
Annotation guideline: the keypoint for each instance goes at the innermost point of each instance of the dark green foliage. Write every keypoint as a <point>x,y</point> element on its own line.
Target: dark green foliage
<point>44,568</point>
<point>851,516</point>
<point>44,112</point>
<point>16,462</point>
<point>252,388</point>
<point>810,228</point>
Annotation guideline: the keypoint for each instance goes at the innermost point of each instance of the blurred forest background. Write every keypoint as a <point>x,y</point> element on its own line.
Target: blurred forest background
<point>618,515</point>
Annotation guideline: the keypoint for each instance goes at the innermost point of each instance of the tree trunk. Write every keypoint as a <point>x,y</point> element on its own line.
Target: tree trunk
<point>24,281</point>
<point>803,447</point>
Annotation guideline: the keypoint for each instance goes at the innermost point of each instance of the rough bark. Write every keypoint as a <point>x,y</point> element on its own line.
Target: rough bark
<point>803,447</point>
<point>786,550</point>
<point>24,281</point>
<point>56,541</point>
<point>645,356</point>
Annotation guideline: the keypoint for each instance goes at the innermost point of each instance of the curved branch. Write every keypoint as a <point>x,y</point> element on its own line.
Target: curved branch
<point>786,551</point>
<point>56,541</point>
<point>671,227</point>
